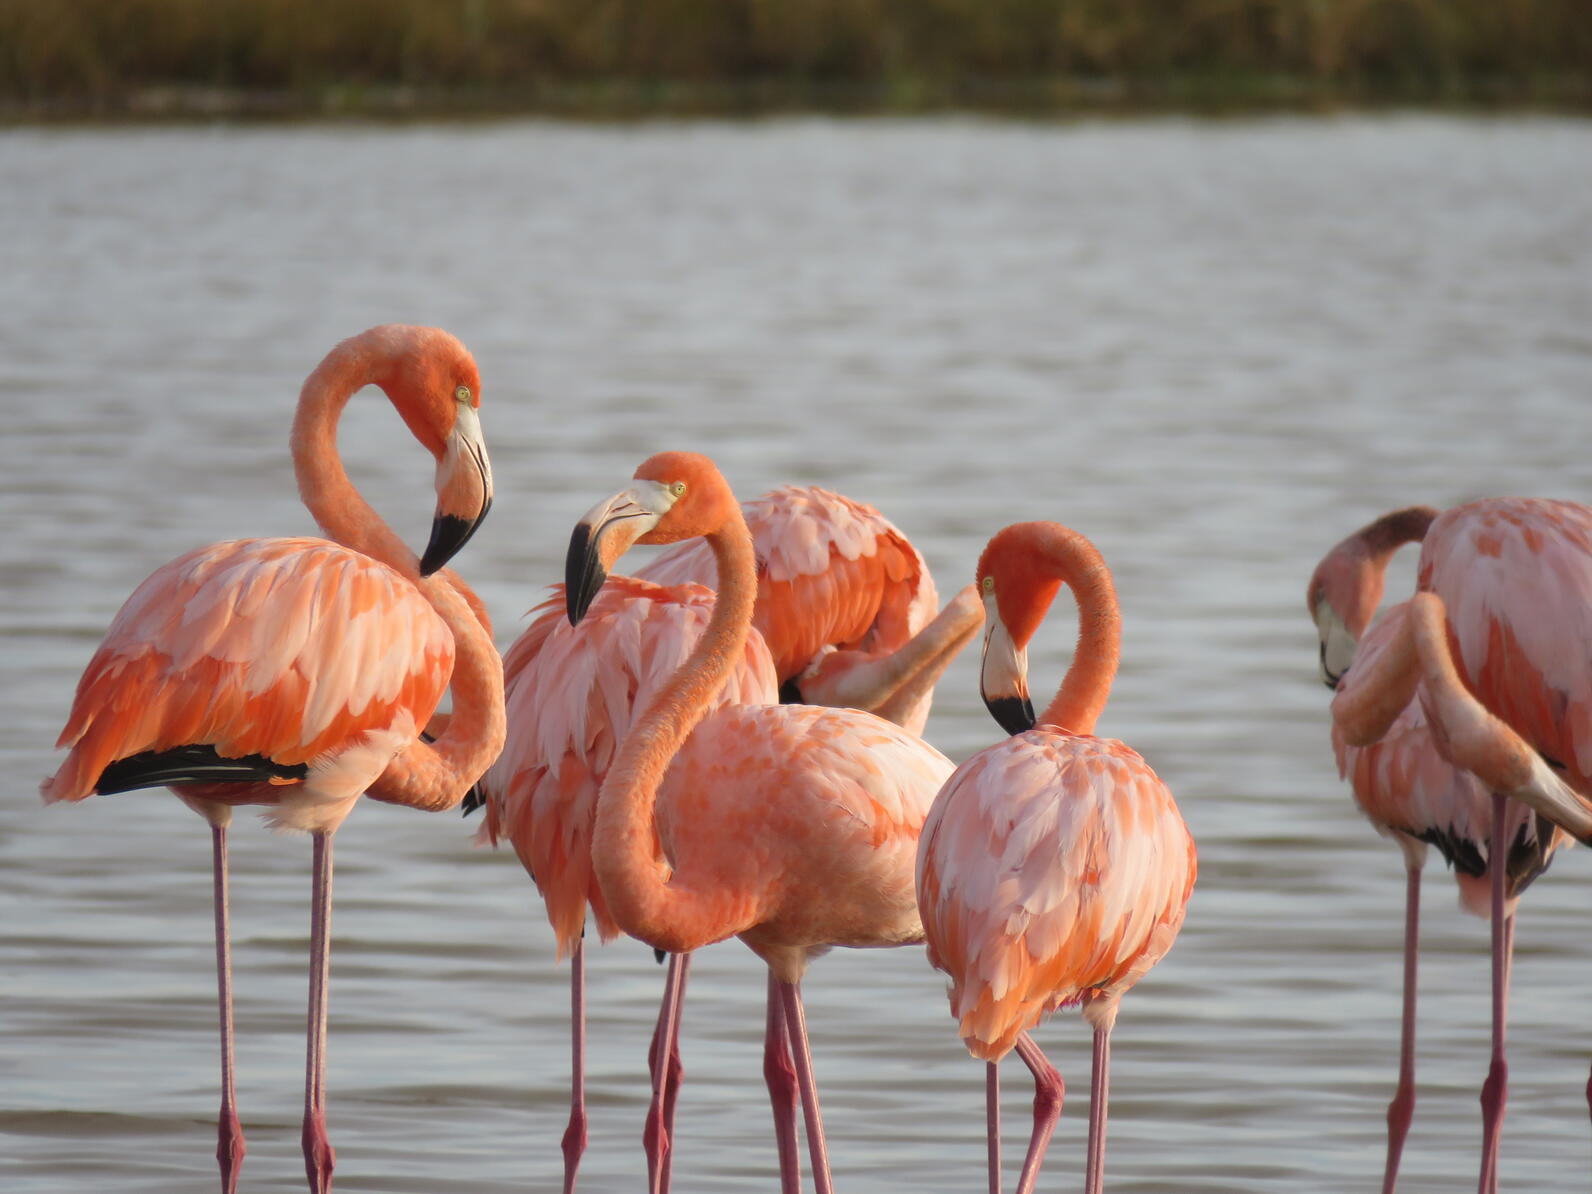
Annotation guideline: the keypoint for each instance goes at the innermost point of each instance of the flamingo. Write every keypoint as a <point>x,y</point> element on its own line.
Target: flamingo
<point>792,827</point>
<point>849,603</point>
<point>1491,645</point>
<point>1054,867</point>
<point>1407,789</point>
<point>297,673</point>
<point>844,602</point>
<point>571,694</point>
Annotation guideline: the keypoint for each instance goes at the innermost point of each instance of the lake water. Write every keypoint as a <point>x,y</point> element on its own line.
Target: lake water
<point>1213,347</point>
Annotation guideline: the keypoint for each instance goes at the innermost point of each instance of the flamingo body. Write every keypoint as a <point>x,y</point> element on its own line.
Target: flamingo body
<point>1055,870</point>
<point>572,692</point>
<point>316,659</point>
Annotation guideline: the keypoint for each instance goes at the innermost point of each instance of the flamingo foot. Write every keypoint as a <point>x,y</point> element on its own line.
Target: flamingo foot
<point>1494,1098</point>
<point>319,1155</point>
<point>230,1149</point>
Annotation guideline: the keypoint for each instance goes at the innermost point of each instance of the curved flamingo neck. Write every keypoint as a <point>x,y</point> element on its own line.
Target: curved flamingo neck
<point>1067,556</point>
<point>338,508</point>
<point>635,882</point>
<point>1384,536</point>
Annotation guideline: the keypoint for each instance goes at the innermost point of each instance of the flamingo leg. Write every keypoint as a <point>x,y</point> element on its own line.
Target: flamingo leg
<point>779,1071</point>
<point>230,1147</point>
<point>1048,1092</point>
<point>1402,1109</point>
<point>655,1137</point>
<point>672,1075</point>
<point>992,1123</point>
<point>1495,1091</point>
<point>801,1055</point>
<point>319,1156</point>
<point>1099,1088</point>
<point>574,1142</point>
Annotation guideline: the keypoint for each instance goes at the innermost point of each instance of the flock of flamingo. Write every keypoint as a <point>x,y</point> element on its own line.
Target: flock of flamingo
<point>728,743</point>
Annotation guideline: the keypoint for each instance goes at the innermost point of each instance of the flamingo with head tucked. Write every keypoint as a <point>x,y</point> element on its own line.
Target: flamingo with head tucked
<point>297,673</point>
<point>849,604</point>
<point>793,827</point>
<point>1054,868</point>
<point>1408,790</point>
<point>1492,645</point>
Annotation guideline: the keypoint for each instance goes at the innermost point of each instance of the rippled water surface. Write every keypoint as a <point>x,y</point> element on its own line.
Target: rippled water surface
<point>1215,348</point>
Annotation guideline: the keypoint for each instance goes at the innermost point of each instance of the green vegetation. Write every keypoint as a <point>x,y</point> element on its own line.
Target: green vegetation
<point>618,57</point>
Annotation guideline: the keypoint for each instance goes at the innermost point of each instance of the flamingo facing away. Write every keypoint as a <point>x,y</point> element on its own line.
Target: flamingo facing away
<point>1491,644</point>
<point>571,694</point>
<point>1054,868</point>
<point>1408,790</point>
<point>793,827</point>
<point>844,601</point>
<point>293,673</point>
<point>851,603</point>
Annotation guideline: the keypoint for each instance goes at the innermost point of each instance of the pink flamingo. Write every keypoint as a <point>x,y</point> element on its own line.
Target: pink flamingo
<point>844,602</point>
<point>1407,789</point>
<point>849,601</point>
<point>572,692</point>
<point>1504,587</point>
<point>1054,868</point>
<point>294,673</point>
<point>792,827</point>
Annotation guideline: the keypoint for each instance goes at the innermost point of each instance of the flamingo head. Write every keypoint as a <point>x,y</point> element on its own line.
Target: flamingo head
<point>433,383</point>
<point>673,496</point>
<point>1016,592</point>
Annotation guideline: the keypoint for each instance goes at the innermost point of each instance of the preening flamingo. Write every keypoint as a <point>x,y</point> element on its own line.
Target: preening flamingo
<point>851,605</point>
<point>844,602</point>
<point>793,827</point>
<point>1054,867</point>
<point>572,692</point>
<point>1492,644</point>
<point>1408,790</point>
<point>296,673</point>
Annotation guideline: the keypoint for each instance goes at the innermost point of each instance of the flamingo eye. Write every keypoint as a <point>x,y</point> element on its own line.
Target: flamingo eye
<point>678,488</point>
<point>462,394</point>
<point>988,584</point>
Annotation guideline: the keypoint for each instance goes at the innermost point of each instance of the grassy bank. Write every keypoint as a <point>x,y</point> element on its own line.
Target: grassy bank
<point>164,58</point>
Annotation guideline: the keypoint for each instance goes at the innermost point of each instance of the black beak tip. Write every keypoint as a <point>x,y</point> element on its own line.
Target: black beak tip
<point>583,574</point>
<point>449,533</point>
<point>1013,714</point>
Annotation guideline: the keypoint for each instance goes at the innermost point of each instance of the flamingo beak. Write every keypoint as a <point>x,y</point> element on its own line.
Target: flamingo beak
<point>1337,645</point>
<point>464,491</point>
<point>1003,676</point>
<point>603,535</point>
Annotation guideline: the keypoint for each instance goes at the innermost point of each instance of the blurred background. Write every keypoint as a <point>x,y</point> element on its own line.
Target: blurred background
<point>1215,283</point>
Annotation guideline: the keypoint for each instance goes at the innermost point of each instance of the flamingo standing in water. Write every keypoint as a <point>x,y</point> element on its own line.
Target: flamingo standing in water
<point>1491,644</point>
<point>297,673</point>
<point>792,827</point>
<point>1407,789</point>
<point>1054,868</point>
<point>846,604</point>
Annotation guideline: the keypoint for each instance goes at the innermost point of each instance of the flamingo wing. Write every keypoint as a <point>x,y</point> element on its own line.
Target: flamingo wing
<point>1516,577</point>
<point>571,694</point>
<point>833,573</point>
<point>273,652</point>
<point>1053,869</point>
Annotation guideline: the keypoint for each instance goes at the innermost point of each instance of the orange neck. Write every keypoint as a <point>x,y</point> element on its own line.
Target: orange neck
<point>643,899</point>
<point>1072,559</point>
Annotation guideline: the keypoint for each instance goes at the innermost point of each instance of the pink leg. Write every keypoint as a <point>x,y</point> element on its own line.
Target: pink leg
<point>779,1071</point>
<point>992,1123</point>
<point>796,1028</point>
<point>1048,1091</point>
<point>1099,1089</point>
<point>655,1137</point>
<point>672,1077</point>
<point>319,1156</point>
<point>574,1142</point>
<point>230,1148</point>
<point>1495,1091</point>
<point>1402,1109</point>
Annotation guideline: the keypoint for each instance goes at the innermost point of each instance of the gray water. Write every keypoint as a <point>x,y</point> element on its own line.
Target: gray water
<point>1213,347</point>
